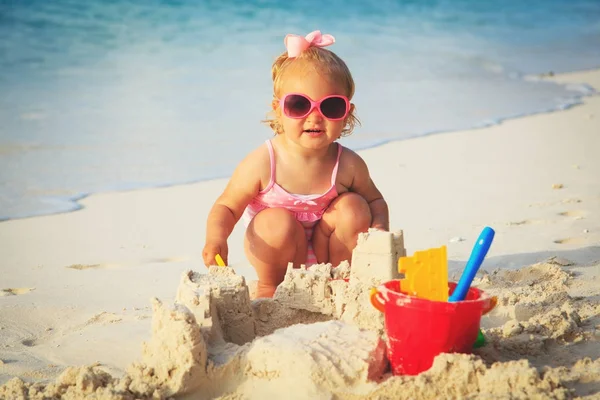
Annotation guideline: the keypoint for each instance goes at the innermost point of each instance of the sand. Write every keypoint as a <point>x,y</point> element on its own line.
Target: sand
<point>75,315</point>
<point>542,341</point>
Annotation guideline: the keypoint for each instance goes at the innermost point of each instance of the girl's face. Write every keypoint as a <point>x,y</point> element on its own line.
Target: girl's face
<point>313,131</point>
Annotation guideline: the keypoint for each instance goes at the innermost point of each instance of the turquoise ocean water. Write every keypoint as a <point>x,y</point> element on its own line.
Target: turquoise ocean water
<point>101,95</point>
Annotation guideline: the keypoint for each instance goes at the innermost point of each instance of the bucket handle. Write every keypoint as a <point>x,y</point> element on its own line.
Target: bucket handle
<point>489,305</point>
<point>376,300</point>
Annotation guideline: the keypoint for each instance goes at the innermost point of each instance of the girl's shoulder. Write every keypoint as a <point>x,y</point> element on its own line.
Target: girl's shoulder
<point>349,157</point>
<point>351,166</point>
<point>258,156</point>
<point>257,164</point>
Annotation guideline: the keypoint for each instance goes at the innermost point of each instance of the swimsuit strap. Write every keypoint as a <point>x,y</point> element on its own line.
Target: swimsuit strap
<point>337,164</point>
<point>272,160</point>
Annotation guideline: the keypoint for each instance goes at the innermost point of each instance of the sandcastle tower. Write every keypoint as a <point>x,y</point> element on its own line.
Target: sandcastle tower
<point>221,304</point>
<point>375,258</point>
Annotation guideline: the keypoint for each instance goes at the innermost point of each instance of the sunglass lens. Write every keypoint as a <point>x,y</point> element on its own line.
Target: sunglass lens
<point>296,106</point>
<point>334,107</point>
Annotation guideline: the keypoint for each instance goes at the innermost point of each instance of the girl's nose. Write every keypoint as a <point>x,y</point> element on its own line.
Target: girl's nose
<point>314,115</point>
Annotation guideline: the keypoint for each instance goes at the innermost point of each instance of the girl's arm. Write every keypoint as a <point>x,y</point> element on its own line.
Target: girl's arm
<point>362,184</point>
<point>243,185</point>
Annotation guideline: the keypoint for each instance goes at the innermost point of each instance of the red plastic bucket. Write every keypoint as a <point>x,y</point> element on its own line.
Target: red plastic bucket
<point>420,329</point>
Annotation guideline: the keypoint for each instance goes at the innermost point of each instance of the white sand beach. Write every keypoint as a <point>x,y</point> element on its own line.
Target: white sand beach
<point>76,289</point>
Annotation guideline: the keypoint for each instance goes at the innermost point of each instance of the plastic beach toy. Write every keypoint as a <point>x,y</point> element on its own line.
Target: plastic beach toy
<point>425,274</point>
<point>475,260</point>
<point>219,260</point>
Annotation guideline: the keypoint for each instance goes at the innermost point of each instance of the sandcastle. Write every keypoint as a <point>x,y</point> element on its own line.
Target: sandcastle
<point>317,338</point>
<point>219,340</point>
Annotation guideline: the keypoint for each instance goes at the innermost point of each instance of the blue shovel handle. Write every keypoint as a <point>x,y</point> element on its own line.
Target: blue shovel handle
<point>475,260</point>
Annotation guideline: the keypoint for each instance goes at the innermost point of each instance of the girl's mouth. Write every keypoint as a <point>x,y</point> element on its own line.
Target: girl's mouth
<point>313,132</point>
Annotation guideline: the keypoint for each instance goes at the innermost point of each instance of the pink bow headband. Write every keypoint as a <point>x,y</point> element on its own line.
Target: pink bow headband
<point>297,44</point>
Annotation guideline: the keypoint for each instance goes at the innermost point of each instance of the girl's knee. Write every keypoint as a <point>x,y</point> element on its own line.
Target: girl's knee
<point>274,238</point>
<point>352,211</point>
<point>273,224</point>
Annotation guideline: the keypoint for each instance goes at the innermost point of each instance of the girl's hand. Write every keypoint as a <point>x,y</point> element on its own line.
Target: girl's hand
<point>211,250</point>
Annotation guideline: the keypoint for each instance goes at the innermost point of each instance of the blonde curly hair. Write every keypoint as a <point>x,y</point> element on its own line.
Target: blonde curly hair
<point>324,60</point>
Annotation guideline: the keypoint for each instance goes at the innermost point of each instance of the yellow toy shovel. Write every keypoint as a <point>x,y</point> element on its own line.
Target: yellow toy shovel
<point>219,260</point>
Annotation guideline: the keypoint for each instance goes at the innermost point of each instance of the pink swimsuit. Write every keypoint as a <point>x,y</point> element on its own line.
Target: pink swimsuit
<point>308,209</point>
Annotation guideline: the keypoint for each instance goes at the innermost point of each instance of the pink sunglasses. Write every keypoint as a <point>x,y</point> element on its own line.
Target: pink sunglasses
<point>297,106</point>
